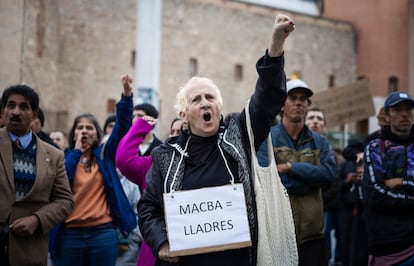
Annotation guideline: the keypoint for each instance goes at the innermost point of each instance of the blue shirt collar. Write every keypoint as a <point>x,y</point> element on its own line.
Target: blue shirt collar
<point>24,140</point>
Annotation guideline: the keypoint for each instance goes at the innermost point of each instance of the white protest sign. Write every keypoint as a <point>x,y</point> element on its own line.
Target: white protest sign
<point>206,220</point>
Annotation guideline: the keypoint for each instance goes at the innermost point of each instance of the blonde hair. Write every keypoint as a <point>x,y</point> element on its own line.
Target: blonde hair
<point>181,98</point>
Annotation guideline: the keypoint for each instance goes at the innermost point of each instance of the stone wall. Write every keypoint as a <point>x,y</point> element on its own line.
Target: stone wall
<point>74,52</point>
<point>221,34</point>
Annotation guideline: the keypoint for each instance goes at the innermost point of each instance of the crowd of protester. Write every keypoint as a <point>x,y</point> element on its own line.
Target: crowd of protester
<point>94,195</point>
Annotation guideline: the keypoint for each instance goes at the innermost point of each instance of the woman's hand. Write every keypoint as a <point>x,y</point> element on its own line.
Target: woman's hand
<point>127,84</point>
<point>150,120</point>
<point>282,27</point>
<point>81,145</point>
<point>164,253</point>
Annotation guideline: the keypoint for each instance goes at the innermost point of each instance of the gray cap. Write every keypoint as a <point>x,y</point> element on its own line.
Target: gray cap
<point>294,84</point>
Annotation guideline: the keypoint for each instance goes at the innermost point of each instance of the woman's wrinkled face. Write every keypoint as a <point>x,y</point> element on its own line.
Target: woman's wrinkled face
<point>86,132</point>
<point>203,111</point>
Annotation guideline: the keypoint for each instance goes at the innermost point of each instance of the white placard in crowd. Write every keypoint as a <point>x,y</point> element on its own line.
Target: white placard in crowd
<point>206,220</point>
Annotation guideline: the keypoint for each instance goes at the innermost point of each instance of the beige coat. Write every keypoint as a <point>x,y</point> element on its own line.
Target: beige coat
<point>50,199</point>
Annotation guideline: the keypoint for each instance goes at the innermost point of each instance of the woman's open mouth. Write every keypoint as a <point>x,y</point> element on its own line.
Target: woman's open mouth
<point>207,117</point>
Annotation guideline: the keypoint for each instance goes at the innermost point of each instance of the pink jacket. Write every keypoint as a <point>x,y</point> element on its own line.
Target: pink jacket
<point>131,165</point>
<point>135,167</point>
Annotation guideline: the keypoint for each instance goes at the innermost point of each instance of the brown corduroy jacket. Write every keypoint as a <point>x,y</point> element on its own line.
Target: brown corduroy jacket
<point>50,199</point>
